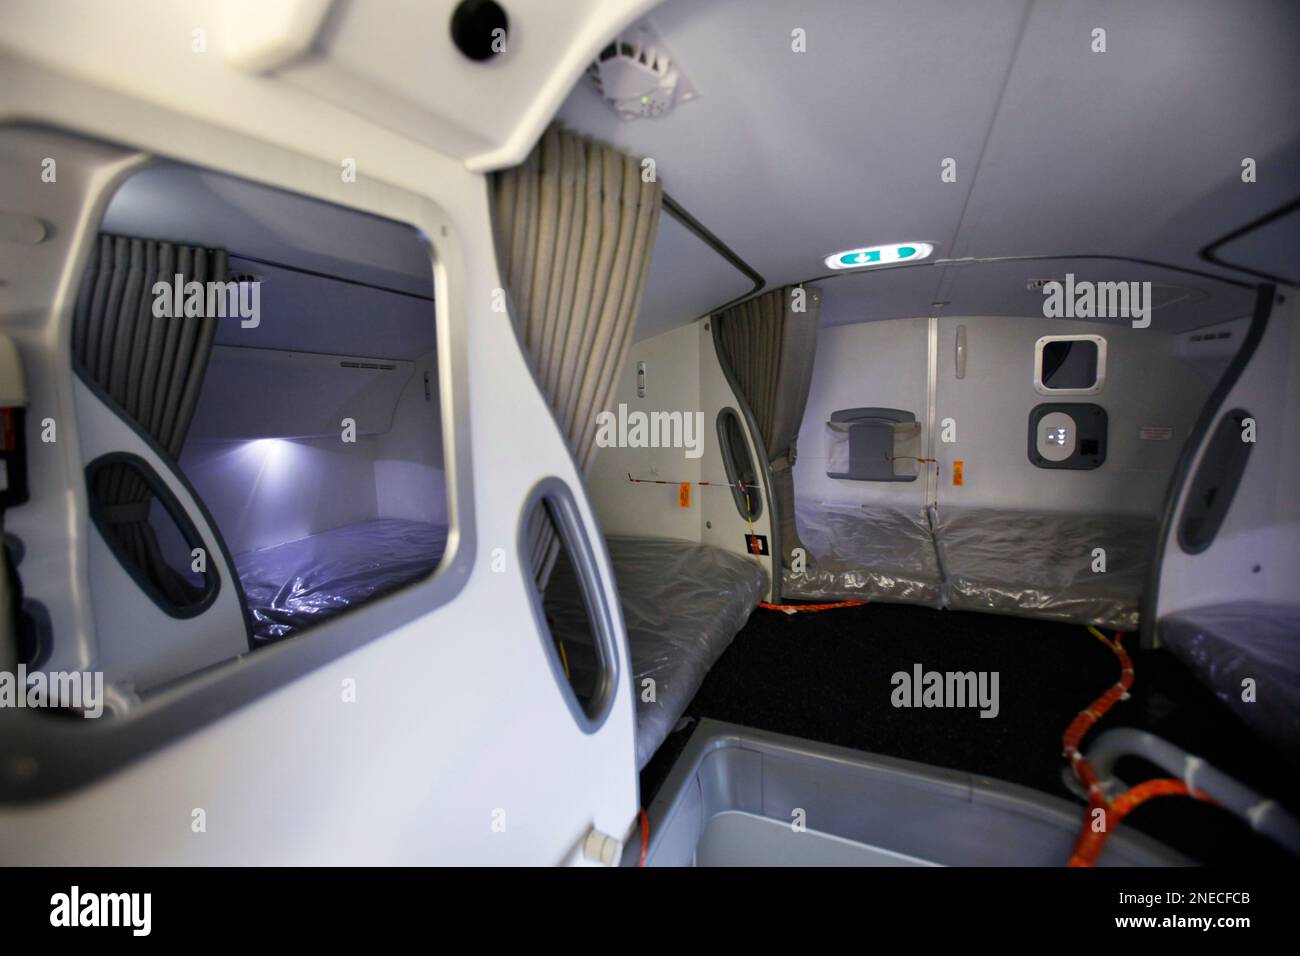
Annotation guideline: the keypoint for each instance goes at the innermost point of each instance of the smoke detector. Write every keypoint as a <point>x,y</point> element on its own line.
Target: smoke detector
<point>637,75</point>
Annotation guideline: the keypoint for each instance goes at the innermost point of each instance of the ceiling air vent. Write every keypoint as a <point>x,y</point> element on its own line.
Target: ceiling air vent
<point>373,366</point>
<point>637,75</point>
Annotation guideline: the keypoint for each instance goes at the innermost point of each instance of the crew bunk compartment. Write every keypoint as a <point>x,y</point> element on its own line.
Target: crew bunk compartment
<point>952,350</point>
<point>304,425</point>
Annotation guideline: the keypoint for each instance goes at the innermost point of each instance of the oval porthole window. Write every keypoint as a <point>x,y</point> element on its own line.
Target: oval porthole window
<point>739,464</point>
<point>571,613</point>
<point>150,535</point>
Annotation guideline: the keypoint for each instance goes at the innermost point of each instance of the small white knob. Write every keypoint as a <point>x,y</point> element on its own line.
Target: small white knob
<point>601,848</point>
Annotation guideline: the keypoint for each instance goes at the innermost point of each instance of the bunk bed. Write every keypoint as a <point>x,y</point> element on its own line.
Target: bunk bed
<point>865,553</point>
<point>1233,646</point>
<point>1006,561</point>
<point>683,603</point>
<point>1041,563</point>
<point>299,583</point>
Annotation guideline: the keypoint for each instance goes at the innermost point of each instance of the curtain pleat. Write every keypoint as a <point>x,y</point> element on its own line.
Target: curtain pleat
<point>769,348</point>
<point>151,366</point>
<point>575,227</point>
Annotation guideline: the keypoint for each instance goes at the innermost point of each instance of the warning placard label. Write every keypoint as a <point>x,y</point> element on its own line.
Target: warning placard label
<point>1155,433</point>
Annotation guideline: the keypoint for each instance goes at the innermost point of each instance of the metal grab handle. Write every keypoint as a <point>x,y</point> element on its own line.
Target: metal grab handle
<point>1264,815</point>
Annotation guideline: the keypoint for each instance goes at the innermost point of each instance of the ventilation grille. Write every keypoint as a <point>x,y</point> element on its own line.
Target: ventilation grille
<point>651,60</point>
<point>638,76</point>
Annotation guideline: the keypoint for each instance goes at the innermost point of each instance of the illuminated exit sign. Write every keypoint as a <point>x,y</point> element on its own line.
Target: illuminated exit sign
<point>879,255</point>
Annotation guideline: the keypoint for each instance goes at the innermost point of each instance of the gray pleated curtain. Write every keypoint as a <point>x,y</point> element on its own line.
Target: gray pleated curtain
<point>151,367</point>
<point>769,348</point>
<point>575,226</point>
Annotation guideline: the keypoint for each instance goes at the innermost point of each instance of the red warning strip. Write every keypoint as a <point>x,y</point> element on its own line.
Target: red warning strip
<point>796,608</point>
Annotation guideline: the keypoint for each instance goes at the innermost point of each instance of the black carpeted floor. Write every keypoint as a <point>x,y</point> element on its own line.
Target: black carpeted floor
<point>826,677</point>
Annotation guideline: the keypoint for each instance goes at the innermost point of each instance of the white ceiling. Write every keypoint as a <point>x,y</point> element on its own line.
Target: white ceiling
<point>684,272</point>
<point>788,156</point>
<point>315,313</point>
<point>1180,301</point>
<point>1135,152</point>
<point>333,280</point>
<point>182,203</point>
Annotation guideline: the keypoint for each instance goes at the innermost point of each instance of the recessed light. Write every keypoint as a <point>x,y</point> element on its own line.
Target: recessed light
<point>879,255</point>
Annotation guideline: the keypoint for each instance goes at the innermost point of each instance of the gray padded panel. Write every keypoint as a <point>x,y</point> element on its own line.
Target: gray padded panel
<point>1225,643</point>
<point>871,443</point>
<point>871,447</point>
<point>682,604</point>
<point>865,552</point>
<point>300,583</point>
<point>1040,564</point>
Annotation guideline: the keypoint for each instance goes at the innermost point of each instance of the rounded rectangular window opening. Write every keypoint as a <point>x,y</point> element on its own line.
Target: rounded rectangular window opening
<point>1069,364</point>
<point>739,465</point>
<point>311,428</point>
<point>277,361</point>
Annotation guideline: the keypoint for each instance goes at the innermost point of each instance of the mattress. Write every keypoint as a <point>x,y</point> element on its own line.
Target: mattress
<point>865,552</point>
<point>1041,564</point>
<point>1226,644</point>
<point>682,604</point>
<point>300,583</point>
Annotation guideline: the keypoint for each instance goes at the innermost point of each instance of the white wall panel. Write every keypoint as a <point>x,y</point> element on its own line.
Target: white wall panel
<point>271,490</point>
<point>1256,552</point>
<point>880,364</point>
<point>410,478</point>
<point>672,384</point>
<point>1146,384</point>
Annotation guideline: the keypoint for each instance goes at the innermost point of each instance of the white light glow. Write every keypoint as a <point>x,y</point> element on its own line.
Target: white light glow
<point>870,256</point>
<point>266,456</point>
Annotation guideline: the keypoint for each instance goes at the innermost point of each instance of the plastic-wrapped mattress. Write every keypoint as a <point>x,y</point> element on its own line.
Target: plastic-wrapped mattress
<point>1224,644</point>
<point>300,583</point>
<point>865,552</point>
<point>682,604</point>
<point>1041,563</point>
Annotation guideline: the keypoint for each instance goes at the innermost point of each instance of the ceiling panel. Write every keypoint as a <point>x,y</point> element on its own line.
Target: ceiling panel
<point>788,156</point>
<point>312,313</point>
<point>1179,300</point>
<point>1138,151</point>
<point>182,203</point>
<point>684,272</point>
<point>1135,152</point>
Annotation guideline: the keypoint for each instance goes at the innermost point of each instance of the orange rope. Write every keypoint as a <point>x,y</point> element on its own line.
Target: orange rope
<point>706,484</point>
<point>749,507</point>
<point>796,608</point>
<point>645,835</point>
<point>1088,846</point>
